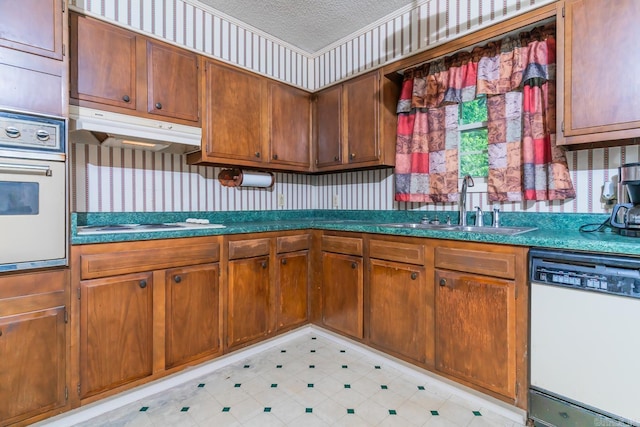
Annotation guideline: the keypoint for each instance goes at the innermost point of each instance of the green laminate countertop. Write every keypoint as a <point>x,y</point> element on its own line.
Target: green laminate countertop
<point>555,230</point>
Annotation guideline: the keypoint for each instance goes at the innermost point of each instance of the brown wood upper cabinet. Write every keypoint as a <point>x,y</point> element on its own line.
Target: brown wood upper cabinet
<point>599,70</point>
<point>354,125</point>
<point>32,61</point>
<point>252,121</point>
<point>122,71</point>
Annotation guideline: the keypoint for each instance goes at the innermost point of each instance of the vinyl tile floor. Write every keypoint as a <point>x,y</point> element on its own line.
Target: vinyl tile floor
<point>308,381</point>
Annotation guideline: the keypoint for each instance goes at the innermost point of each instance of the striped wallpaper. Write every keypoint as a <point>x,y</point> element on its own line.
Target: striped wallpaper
<point>118,180</point>
<point>123,180</point>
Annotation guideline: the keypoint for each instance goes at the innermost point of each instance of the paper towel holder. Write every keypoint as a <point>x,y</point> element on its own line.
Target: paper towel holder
<point>236,177</point>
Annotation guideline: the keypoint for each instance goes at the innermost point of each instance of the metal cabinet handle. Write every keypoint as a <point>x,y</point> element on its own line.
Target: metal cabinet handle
<point>336,158</point>
<point>31,169</point>
<point>143,284</point>
<point>443,282</point>
<point>158,106</point>
<point>352,156</point>
<point>12,132</point>
<point>42,135</point>
<point>264,264</point>
<point>126,98</point>
<point>284,262</point>
<point>177,279</point>
<point>354,265</point>
<point>275,157</point>
<point>414,275</point>
<point>257,154</point>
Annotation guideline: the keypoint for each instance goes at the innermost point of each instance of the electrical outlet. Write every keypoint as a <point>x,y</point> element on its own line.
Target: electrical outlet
<point>336,201</point>
<point>280,200</point>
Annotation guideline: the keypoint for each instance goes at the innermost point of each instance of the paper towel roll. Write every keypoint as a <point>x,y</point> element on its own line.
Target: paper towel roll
<point>239,178</point>
<point>256,179</point>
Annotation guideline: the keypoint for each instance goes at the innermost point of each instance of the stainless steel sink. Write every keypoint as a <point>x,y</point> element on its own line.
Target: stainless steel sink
<point>509,231</point>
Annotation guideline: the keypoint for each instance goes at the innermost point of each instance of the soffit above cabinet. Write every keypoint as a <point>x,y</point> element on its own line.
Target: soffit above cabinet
<point>309,25</point>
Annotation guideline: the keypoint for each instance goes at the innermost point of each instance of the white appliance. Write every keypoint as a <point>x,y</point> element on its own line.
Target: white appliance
<point>584,349</point>
<point>33,191</point>
<point>90,126</point>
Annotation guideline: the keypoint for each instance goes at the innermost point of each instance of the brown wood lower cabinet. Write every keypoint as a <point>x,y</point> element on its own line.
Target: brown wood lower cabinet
<point>145,309</point>
<point>476,332</point>
<point>193,314</point>
<point>249,300</point>
<point>342,293</point>
<point>33,345</point>
<point>400,310</point>
<point>116,327</point>
<point>292,282</point>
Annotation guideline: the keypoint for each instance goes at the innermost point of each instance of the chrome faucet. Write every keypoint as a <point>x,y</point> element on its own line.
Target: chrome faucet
<point>467,181</point>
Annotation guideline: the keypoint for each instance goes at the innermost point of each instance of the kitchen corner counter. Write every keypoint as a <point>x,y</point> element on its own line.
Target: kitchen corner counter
<point>555,230</point>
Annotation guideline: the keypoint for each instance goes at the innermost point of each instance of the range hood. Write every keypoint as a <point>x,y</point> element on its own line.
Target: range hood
<point>90,126</point>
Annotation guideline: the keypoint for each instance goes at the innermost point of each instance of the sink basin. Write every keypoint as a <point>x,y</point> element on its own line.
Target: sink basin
<point>508,231</point>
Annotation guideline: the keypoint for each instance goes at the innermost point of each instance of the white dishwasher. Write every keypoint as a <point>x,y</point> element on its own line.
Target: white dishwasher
<point>585,339</point>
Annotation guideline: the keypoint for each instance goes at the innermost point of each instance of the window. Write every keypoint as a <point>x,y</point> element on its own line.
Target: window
<point>472,150</point>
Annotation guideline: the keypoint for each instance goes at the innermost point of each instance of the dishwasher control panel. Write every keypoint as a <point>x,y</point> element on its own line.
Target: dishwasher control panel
<point>601,273</point>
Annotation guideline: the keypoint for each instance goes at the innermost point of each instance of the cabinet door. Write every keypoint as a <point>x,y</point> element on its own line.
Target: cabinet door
<point>342,293</point>
<point>115,331</point>
<point>249,300</point>
<point>293,289</point>
<point>328,127</point>
<point>172,82</point>
<point>401,310</point>
<point>476,330</point>
<point>289,126</point>
<point>601,93</point>
<point>103,63</point>
<point>192,328</point>
<point>362,105</point>
<point>233,121</point>
<point>32,350</point>
<point>33,26</point>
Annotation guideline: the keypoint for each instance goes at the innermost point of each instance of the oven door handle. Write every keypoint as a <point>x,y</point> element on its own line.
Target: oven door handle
<point>29,169</point>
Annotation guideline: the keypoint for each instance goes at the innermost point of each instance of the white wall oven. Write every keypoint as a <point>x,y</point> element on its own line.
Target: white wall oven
<point>33,192</point>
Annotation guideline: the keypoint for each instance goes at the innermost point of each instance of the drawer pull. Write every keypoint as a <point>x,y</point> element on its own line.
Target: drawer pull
<point>158,106</point>
<point>336,158</point>
<point>177,279</point>
<point>352,156</point>
<point>354,265</point>
<point>126,98</point>
<point>257,154</point>
<point>264,264</point>
<point>275,157</point>
<point>12,132</point>
<point>143,284</point>
<point>414,275</point>
<point>443,282</point>
<point>284,262</point>
<point>42,135</point>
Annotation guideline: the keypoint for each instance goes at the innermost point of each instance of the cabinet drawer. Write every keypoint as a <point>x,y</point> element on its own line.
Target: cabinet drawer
<point>397,251</point>
<point>342,245</point>
<point>146,258</point>
<point>292,243</point>
<point>477,261</point>
<point>249,248</point>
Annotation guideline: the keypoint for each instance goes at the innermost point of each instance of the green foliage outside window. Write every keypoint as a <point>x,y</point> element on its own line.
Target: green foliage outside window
<point>472,150</point>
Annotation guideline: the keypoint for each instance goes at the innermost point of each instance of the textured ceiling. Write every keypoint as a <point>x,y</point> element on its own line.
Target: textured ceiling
<point>309,25</point>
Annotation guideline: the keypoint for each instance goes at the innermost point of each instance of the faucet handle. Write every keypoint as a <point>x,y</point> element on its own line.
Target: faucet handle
<point>496,217</point>
<point>479,219</point>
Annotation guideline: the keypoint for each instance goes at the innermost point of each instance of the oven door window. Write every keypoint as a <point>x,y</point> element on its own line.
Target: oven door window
<point>19,198</point>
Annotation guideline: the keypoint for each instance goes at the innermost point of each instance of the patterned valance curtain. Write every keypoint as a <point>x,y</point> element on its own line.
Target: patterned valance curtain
<point>518,77</point>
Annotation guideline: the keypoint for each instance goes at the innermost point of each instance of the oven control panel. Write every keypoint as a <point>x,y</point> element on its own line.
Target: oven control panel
<point>30,133</point>
<point>593,273</point>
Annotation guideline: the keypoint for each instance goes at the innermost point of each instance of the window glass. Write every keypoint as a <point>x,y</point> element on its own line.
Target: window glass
<point>472,150</point>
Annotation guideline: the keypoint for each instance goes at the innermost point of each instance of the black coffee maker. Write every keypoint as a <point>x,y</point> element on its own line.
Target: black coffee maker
<point>626,216</point>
